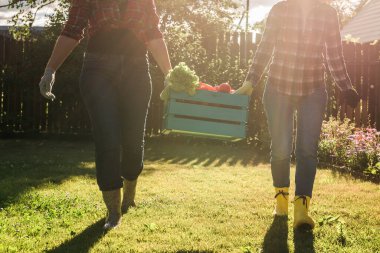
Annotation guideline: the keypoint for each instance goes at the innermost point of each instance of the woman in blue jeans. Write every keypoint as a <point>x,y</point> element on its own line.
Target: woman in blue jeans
<point>115,86</point>
<point>299,38</point>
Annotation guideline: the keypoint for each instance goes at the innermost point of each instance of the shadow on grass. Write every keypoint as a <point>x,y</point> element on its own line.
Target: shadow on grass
<point>276,238</point>
<point>184,150</point>
<point>28,164</point>
<point>82,242</point>
<point>303,241</point>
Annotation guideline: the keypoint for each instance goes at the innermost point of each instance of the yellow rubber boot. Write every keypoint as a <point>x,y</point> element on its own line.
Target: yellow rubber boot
<point>301,216</point>
<point>282,201</point>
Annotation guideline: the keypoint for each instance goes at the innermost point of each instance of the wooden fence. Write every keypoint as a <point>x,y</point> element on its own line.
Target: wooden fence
<point>363,65</point>
<point>22,109</point>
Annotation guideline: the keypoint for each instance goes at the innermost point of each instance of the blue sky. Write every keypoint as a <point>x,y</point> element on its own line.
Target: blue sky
<point>259,9</point>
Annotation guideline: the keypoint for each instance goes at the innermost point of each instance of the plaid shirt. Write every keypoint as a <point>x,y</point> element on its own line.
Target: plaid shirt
<point>298,50</point>
<point>137,15</point>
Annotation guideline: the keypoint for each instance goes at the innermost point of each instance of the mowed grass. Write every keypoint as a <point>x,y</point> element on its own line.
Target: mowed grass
<point>193,196</point>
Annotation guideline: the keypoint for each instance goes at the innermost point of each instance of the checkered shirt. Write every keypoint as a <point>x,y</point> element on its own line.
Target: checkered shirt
<point>297,51</point>
<point>139,16</point>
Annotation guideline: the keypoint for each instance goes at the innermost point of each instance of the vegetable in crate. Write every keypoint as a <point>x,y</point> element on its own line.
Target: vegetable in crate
<point>224,87</point>
<point>181,79</point>
<point>205,86</point>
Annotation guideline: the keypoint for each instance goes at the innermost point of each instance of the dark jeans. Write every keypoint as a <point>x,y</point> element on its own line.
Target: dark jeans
<point>280,110</point>
<point>116,90</point>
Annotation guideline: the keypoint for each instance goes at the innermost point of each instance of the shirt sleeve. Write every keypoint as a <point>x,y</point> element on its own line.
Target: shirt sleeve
<point>79,14</point>
<point>334,54</point>
<point>152,23</point>
<point>265,48</point>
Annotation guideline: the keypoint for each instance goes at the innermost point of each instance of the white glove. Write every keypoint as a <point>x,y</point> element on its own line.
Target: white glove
<point>46,83</point>
<point>245,89</point>
<point>166,91</point>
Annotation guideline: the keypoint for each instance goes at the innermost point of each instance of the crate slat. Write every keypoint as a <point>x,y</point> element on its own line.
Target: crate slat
<point>204,111</point>
<point>199,126</point>
<point>213,97</point>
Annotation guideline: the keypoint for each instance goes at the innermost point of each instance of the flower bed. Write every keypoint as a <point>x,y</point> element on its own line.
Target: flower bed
<point>355,150</point>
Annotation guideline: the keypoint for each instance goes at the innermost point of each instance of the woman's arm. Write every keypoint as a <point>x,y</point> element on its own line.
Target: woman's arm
<point>69,39</point>
<point>154,38</point>
<point>72,33</point>
<point>265,48</point>
<point>62,49</point>
<point>336,62</point>
<point>158,49</point>
<point>334,54</point>
<point>263,53</point>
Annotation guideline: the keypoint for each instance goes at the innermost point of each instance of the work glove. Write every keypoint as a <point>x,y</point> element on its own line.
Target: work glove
<point>46,83</point>
<point>351,97</point>
<point>245,89</point>
<point>166,91</point>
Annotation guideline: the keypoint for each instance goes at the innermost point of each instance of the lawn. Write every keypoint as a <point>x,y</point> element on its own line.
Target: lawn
<point>193,196</point>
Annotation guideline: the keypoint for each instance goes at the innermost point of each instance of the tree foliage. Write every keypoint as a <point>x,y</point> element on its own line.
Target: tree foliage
<point>347,8</point>
<point>200,16</point>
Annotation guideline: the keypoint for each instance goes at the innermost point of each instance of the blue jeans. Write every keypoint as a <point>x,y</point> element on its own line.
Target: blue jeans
<point>280,110</point>
<point>116,90</point>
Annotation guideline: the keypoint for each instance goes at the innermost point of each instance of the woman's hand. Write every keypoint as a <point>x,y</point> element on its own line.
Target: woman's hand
<point>351,97</point>
<point>46,83</point>
<point>245,89</point>
<point>165,92</point>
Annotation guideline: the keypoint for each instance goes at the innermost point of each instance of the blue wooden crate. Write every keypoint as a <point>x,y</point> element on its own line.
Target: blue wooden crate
<point>211,114</point>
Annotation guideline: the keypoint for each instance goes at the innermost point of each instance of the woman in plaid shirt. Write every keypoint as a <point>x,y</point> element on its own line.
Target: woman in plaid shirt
<point>115,86</point>
<point>300,36</point>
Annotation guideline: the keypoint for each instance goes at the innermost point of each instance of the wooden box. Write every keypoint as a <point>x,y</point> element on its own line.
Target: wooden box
<point>210,114</point>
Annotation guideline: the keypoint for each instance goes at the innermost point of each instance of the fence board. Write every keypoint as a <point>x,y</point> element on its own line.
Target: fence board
<point>372,70</point>
<point>365,84</point>
<point>350,57</point>
<point>235,47</point>
<point>377,85</point>
<point>2,51</point>
<point>358,82</point>
<point>243,50</point>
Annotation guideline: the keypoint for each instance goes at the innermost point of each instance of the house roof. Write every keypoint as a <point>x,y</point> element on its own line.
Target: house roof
<point>365,26</point>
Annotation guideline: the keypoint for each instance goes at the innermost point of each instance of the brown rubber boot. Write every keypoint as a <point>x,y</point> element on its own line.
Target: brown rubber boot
<point>112,199</point>
<point>129,193</point>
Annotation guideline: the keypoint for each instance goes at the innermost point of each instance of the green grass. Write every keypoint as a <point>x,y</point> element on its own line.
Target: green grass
<point>192,197</point>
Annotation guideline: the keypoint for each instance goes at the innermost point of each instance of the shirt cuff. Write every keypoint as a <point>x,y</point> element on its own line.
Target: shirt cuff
<point>153,34</point>
<point>72,35</point>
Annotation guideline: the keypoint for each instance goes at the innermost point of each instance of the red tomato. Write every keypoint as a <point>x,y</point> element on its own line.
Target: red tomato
<point>224,87</point>
<point>205,86</point>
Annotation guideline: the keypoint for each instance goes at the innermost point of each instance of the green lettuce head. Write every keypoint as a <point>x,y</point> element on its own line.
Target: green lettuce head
<point>183,79</point>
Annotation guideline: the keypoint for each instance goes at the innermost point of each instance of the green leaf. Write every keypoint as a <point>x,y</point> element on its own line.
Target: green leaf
<point>151,227</point>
